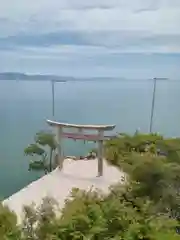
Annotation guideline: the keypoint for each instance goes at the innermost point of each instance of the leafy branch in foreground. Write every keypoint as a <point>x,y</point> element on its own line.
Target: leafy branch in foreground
<point>8,225</point>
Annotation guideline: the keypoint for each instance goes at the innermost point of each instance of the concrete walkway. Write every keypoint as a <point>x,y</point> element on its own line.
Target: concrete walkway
<point>58,184</point>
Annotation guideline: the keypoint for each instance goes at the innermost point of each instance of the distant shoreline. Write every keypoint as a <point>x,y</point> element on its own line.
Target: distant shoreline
<point>56,78</point>
<point>32,77</point>
<point>16,76</point>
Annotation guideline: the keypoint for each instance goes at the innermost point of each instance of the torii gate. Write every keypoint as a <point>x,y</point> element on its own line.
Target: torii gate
<point>80,135</point>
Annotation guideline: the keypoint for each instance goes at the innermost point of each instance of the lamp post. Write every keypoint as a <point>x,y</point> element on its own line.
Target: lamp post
<point>53,98</point>
<point>153,104</point>
<point>53,94</point>
<point>153,101</point>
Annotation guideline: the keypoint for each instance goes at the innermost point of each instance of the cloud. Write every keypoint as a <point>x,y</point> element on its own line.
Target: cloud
<point>87,21</point>
<point>115,41</point>
<point>45,16</point>
<point>87,30</point>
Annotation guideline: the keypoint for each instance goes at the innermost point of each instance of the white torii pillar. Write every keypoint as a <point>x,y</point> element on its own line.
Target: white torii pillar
<point>100,153</point>
<point>59,132</point>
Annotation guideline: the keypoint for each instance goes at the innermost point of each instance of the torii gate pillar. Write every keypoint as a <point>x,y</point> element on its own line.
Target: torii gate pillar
<point>59,135</point>
<point>100,154</point>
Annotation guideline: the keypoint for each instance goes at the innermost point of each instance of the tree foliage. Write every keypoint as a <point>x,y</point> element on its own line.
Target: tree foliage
<point>8,227</point>
<point>146,206</point>
<point>44,142</point>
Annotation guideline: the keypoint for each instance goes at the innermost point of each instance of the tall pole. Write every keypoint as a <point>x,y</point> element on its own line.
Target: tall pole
<point>153,105</point>
<point>153,101</point>
<point>53,99</point>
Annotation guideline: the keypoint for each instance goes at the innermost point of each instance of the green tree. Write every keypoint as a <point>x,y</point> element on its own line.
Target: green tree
<point>93,215</point>
<point>8,225</point>
<point>40,221</point>
<point>152,163</point>
<point>44,142</point>
<point>145,207</point>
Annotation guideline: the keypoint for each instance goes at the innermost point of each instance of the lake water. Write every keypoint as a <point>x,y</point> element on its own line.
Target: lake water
<point>24,107</point>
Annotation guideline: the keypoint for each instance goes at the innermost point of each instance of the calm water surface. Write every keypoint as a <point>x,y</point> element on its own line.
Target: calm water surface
<point>24,107</point>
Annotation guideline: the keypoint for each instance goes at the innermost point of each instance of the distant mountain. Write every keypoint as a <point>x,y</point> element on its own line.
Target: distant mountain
<point>39,77</point>
<point>36,77</point>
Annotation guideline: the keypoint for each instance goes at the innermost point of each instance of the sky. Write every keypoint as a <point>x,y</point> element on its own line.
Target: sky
<point>118,38</point>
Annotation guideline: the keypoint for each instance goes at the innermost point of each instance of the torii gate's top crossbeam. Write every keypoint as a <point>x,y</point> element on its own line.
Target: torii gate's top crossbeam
<point>85,127</point>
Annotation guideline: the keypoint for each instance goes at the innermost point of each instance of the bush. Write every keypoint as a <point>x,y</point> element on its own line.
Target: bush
<point>8,225</point>
<point>145,207</point>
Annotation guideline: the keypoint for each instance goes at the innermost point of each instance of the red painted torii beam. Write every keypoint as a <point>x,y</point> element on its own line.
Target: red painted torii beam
<point>82,136</point>
<point>86,137</point>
